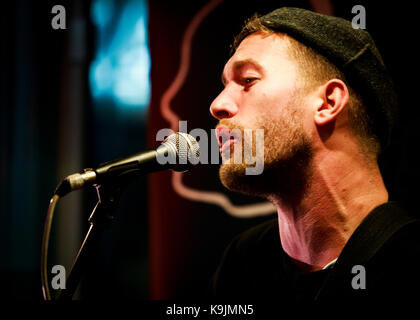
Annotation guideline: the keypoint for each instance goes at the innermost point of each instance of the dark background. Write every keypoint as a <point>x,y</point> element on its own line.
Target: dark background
<point>160,245</point>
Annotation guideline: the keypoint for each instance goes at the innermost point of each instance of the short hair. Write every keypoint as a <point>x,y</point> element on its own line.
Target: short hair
<point>316,69</point>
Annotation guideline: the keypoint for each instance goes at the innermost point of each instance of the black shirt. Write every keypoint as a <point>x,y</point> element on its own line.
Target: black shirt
<point>386,245</point>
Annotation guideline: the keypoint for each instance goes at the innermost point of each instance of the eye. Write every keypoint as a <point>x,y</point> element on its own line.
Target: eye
<point>248,81</point>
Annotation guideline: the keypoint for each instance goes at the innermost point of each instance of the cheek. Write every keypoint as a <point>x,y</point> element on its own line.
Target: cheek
<point>306,115</point>
<point>273,102</point>
<point>266,99</point>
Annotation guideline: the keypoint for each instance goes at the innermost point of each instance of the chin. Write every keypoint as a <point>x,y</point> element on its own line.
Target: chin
<point>282,177</point>
<point>233,177</point>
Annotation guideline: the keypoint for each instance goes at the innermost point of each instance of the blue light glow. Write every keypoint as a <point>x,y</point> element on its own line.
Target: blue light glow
<point>121,68</point>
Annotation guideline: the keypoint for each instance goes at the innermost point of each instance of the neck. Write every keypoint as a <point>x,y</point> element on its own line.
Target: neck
<point>341,192</point>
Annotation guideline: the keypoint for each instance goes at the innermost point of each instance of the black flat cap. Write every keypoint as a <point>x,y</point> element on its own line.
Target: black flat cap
<point>351,50</point>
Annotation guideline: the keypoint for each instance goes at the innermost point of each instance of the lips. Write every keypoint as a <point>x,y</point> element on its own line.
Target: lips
<point>225,137</point>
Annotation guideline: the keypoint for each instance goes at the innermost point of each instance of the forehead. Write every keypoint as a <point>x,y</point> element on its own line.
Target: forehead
<point>267,50</point>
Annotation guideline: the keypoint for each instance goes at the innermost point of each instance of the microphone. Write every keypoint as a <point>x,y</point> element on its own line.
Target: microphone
<point>179,152</point>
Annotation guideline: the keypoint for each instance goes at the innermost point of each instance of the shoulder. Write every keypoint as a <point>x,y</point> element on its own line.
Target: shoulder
<point>394,269</point>
<point>395,222</point>
<point>389,227</point>
<point>250,256</point>
<point>404,243</point>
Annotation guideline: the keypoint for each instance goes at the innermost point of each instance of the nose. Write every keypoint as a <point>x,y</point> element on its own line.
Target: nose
<point>223,106</point>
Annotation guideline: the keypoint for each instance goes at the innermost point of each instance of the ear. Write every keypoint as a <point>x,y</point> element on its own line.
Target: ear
<point>334,96</point>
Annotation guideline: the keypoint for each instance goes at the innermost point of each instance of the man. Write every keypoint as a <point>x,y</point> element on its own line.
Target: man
<point>320,91</point>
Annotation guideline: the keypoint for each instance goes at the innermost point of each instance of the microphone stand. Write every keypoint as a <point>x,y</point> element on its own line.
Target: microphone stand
<point>100,219</point>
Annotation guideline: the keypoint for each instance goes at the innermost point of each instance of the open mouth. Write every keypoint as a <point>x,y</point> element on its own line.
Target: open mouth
<point>226,138</point>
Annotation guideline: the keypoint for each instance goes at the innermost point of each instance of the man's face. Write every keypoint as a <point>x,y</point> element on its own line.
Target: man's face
<point>262,91</point>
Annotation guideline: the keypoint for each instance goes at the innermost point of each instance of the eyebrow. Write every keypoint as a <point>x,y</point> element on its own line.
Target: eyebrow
<point>237,65</point>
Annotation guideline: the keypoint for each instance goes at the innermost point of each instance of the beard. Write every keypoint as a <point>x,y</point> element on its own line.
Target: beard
<point>287,156</point>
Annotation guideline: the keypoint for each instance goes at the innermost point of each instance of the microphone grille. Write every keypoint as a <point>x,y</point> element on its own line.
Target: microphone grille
<point>187,150</point>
